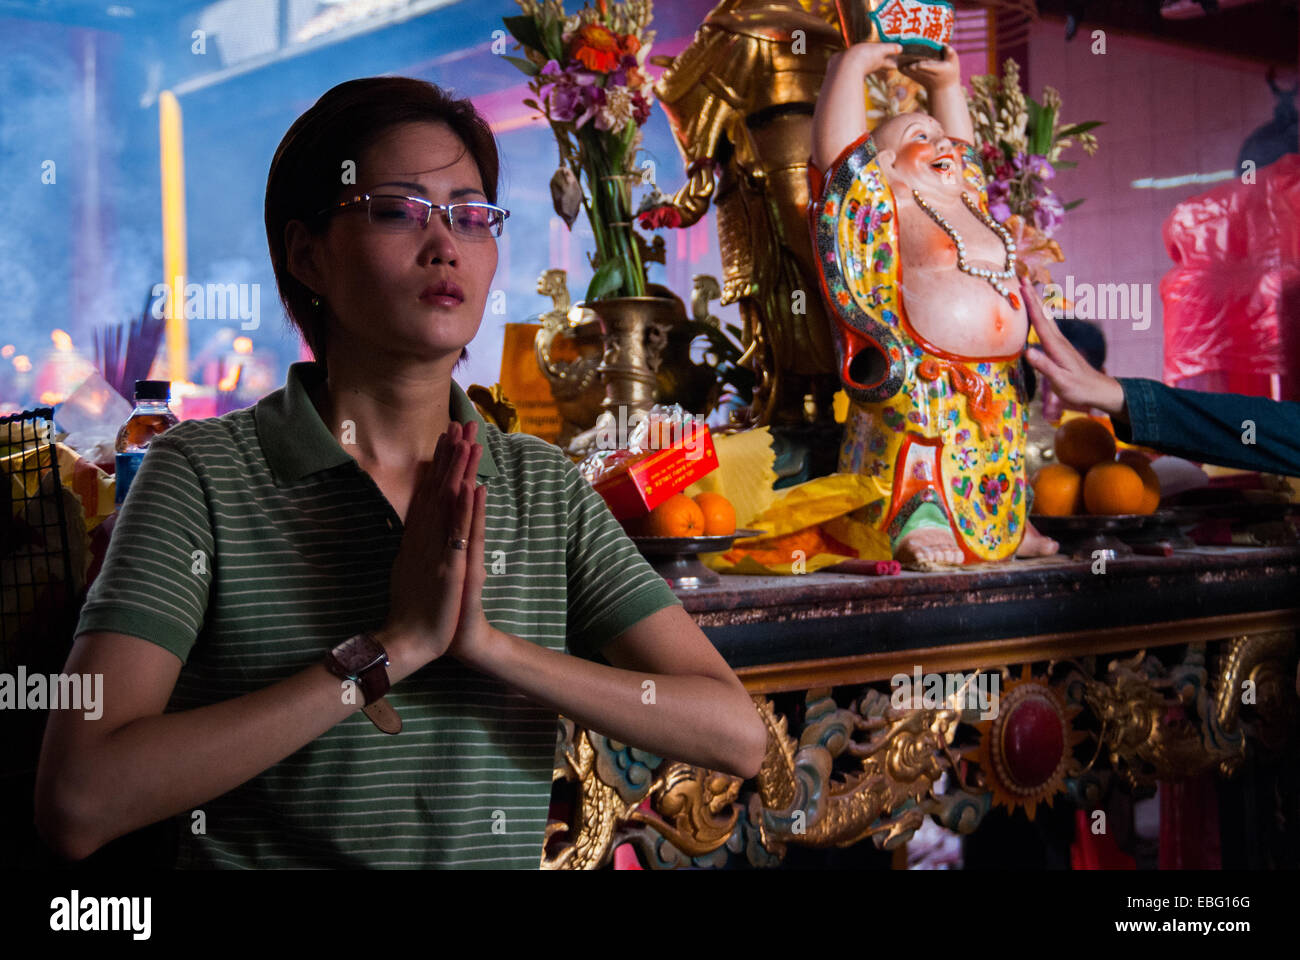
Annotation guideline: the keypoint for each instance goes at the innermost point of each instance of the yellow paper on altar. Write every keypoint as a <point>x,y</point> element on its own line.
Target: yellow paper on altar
<point>869,542</point>
<point>525,386</point>
<point>808,528</point>
<point>803,528</point>
<point>804,552</point>
<point>817,501</point>
<point>744,474</point>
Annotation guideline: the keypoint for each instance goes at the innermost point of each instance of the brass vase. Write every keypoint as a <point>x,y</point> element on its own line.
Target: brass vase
<point>575,384</point>
<point>635,331</point>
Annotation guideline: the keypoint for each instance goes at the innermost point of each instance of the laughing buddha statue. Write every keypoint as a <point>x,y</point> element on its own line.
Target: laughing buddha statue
<point>929,327</point>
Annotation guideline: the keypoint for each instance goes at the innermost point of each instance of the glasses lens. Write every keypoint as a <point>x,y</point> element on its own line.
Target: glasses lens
<point>479,221</point>
<point>398,213</point>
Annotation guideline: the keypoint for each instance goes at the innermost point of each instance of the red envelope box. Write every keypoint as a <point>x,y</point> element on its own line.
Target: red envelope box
<point>641,483</point>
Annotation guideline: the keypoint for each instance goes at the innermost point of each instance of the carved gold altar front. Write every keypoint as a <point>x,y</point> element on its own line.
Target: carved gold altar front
<point>1136,718</point>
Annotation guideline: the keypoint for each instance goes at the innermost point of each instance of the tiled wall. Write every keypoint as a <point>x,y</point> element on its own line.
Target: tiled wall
<point>1169,111</point>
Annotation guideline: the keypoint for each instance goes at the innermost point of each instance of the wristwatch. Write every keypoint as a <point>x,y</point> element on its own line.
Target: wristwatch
<point>362,659</point>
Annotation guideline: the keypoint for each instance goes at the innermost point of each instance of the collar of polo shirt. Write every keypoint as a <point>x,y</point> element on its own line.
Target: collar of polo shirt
<point>297,443</point>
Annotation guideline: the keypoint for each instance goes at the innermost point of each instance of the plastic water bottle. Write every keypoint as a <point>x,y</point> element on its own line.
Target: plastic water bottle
<point>151,416</point>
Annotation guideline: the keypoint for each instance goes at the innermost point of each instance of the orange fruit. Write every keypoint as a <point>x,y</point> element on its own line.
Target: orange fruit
<point>719,514</point>
<point>1112,488</point>
<point>1058,491</point>
<point>678,516</point>
<point>1150,482</point>
<point>1082,442</point>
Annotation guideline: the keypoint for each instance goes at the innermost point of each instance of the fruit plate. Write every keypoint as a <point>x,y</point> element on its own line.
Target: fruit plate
<point>1085,523</point>
<point>674,546</point>
<point>676,559</point>
<point>1082,535</point>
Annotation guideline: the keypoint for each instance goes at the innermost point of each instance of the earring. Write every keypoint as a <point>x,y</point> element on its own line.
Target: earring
<point>315,302</point>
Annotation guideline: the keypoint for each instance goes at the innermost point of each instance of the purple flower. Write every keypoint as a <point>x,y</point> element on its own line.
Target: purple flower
<point>1040,167</point>
<point>998,193</point>
<point>594,98</point>
<point>1048,213</point>
<point>566,101</point>
<point>570,95</point>
<point>1018,162</point>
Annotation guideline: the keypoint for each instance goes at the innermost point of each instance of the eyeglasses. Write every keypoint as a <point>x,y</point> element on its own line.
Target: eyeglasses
<point>473,221</point>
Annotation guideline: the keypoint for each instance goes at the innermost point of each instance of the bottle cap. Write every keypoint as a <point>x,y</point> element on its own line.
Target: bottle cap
<point>153,389</point>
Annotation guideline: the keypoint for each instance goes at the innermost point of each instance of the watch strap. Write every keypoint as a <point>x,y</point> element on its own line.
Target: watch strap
<point>383,715</point>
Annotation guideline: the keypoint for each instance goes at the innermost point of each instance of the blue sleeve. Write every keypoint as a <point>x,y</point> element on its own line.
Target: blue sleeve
<point>1228,429</point>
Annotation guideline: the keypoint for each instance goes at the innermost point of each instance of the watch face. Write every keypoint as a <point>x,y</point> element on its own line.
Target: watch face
<point>360,653</point>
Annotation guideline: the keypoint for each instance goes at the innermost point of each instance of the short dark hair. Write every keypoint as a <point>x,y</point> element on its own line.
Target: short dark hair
<point>1086,337</point>
<point>305,174</point>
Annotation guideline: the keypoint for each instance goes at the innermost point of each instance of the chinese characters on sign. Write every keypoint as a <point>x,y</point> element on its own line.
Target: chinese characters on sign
<point>915,22</point>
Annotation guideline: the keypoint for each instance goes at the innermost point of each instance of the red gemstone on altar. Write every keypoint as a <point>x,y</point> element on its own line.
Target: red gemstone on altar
<point>1033,742</point>
<point>1015,301</point>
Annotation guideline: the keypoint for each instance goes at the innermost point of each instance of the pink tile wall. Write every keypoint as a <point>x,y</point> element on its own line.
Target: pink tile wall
<point>1169,111</point>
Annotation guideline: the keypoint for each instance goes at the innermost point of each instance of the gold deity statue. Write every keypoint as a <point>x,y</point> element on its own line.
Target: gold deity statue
<point>740,100</point>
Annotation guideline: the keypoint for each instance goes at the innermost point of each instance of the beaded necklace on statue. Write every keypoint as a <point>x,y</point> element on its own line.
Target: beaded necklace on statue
<point>994,277</point>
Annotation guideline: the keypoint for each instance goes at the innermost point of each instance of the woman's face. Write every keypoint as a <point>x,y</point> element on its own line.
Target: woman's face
<point>376,280</point>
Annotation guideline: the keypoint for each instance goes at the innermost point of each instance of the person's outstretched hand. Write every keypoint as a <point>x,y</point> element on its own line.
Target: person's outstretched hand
<point>1079,385</point>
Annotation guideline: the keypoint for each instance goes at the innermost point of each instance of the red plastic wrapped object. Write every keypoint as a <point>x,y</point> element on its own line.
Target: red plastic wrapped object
<point>1232,301</point>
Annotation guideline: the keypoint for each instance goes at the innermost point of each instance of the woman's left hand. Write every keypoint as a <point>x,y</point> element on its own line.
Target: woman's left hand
<point>475,638</point>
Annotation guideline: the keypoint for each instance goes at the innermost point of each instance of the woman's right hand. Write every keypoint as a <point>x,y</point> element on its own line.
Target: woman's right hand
<point>428,577</point>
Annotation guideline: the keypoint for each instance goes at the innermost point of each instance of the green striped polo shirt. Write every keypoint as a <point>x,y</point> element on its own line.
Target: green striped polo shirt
<point>251,543</point>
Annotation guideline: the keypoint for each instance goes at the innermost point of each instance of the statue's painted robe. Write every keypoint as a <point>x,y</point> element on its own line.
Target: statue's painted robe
<point>930,426</point>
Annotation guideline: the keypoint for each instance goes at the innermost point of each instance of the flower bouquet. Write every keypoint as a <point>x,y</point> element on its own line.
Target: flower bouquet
<point>588,76</point>
<point>1020,142</point>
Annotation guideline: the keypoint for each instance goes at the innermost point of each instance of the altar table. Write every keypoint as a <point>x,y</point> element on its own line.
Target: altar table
<point>1140,670</point>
